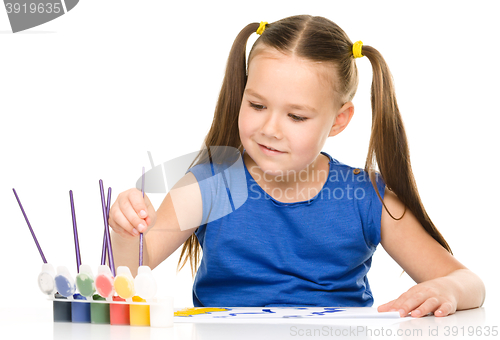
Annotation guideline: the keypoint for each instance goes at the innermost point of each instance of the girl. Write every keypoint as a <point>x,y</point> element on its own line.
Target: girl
<point>306,226</point>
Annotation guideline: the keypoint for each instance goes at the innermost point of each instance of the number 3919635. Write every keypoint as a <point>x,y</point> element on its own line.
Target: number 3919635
<point>471,331</point>
<point>33,8</point>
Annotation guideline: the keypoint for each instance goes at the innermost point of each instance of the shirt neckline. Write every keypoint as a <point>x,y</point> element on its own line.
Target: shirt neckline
<point>288,204</point>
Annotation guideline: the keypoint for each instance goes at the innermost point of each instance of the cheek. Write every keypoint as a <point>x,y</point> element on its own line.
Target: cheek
<point>243,128</point>
<point>244,123</point>
<point>312,139</point>
<point>241,124</point>
<point>303,143</point>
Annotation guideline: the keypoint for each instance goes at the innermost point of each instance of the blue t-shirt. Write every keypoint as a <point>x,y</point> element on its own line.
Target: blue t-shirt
<point>260,252</point>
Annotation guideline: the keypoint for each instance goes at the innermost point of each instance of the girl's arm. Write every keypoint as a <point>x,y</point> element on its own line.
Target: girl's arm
<point>164,230</point>
<point>444,285</point>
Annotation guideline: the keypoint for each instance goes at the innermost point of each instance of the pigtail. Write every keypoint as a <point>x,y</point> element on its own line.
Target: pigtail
<point>224,130</point>
<point>389,146</point>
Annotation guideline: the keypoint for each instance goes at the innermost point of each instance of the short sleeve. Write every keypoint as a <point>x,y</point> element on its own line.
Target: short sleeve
<point>223,188</point>
<point>370,207</point>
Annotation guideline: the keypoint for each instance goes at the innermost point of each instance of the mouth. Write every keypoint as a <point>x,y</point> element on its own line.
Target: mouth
<point>269,149</point>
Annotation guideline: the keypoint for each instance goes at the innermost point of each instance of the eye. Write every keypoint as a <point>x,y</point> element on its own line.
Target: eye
<point>297,118</point>
<point>256,106</point>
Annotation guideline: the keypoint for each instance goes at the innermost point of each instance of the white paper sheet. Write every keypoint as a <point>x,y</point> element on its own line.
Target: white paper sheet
<point>303,313</point>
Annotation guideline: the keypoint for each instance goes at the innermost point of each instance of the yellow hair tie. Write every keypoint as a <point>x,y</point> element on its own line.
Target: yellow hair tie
<point>262,27</point>
<point>356,49</point>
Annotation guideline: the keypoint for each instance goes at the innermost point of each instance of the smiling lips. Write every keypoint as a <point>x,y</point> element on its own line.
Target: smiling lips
<point>269,150</point>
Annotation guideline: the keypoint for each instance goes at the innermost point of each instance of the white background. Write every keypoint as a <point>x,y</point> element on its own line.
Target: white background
<point>84,97</point>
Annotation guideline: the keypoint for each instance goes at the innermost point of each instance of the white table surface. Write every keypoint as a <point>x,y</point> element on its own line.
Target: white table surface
<point>36,322</point>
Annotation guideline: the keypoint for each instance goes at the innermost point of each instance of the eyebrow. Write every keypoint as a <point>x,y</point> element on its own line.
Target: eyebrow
<point>293,106</point>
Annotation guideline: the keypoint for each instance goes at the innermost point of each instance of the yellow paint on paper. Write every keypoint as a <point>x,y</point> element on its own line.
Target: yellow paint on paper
<point>198,310</point>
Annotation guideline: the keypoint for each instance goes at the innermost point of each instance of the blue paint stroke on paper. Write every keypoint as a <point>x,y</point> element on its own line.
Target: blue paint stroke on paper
<point>264,311</point>
<point>327,310</point>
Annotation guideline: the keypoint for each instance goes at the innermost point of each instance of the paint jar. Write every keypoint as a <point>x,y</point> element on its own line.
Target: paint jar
<point>139,313</point>
<point>144,283</point>
<point>80,309</point>
<point>162,312</point>
<point>104,282</point>
<point>61,309</point>
<point>119,313</point>
<point>124,283</point>
<point>85,281</point>
<point>46,279</point>
<point>64,282</point>
<point>99,311</point>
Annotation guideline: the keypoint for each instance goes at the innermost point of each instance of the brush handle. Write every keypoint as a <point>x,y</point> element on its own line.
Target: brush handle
<point>141,236</point>
<point>104,248</point>
<point>104,242</point>
<point>106,230</point>
<point>29,226</point>
<point>75,233</point>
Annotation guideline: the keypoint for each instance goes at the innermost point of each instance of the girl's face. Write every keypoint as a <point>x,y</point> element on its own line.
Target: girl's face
<point>288,105</point>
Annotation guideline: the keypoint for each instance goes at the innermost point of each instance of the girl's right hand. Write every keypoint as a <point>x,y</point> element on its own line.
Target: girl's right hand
<point>131,214</point>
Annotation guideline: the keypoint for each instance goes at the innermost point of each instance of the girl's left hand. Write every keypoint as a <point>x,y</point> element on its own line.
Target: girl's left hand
<point>433,296</point>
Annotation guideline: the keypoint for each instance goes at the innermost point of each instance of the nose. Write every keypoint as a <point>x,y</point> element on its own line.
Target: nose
<point>271,126</point>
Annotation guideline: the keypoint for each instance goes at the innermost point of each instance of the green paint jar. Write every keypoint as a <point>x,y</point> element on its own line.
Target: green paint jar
<point>99,311</point>
<point>85,281</point>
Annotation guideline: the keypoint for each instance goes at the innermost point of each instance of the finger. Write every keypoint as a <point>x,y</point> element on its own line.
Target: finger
<point>151,212</point>
<point>133,219</point>
<point>138,203</point>
<point>111,217</point>
<point>429,306</point>
<point>445,309</point>
<point>411,303</point>
<point>122,225</point>
<point>410,300</point>
<point>398,305</point>
<point>149,223</point>
<point>386,307</point>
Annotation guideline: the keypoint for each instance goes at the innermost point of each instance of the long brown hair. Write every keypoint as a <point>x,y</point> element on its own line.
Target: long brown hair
<point>319,39</point>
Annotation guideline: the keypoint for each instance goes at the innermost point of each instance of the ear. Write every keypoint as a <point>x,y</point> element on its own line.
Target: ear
<point>342,119</point>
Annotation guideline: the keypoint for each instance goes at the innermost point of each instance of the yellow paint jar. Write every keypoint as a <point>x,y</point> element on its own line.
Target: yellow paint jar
<point>124,283</point>
<point>139,313</point>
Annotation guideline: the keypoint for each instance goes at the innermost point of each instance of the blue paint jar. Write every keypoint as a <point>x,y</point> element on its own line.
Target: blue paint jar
<point>64,282</point>
<point>80,310</point>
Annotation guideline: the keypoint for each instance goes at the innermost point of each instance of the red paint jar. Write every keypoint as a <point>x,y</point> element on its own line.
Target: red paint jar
<point>119,313</point>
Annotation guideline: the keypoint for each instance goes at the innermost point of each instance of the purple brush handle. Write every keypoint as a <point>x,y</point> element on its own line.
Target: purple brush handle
<point>140,249</point>
<point>75,233</point>
<point>104,246</point>
<point>106,230</point>
<point>29,226</point>
<point>141,236</point>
